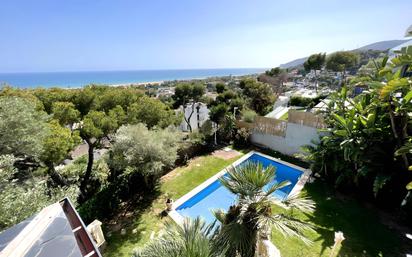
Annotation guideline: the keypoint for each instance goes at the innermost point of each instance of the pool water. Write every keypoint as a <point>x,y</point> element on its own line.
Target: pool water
<point>215,196</point>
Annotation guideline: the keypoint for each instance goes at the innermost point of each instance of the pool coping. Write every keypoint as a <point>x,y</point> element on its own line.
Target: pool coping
<point>295,190</point>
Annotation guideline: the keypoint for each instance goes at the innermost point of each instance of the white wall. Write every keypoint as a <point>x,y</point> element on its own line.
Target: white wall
<point>203,116</point>
<point>296,137</point>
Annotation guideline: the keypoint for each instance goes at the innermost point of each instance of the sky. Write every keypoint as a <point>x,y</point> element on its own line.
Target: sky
<point>79,35</point>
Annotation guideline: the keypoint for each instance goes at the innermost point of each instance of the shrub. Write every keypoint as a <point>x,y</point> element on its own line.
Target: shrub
<point>242,138</point>
<point>305,101</point>
<point>102,205</point>
<point>249,115</point>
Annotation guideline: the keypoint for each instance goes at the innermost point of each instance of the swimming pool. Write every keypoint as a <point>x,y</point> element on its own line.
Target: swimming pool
<point>212,195</point>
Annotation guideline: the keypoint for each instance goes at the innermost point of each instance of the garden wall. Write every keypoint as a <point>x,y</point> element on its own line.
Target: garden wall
<point>287,137</point>
<point>296,137</point>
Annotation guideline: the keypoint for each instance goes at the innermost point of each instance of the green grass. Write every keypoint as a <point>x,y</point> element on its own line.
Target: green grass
<point>152,218</point>
<point>284,116</point>
<point>365,235</point>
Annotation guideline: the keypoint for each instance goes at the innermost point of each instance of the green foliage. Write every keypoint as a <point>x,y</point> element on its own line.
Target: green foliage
<point>259,96</point>
<point>186,92</point>
<point>342,61</point>
<point>97,124</point>
<point>252,216</point>
<point>241,138</point>
<point>103,205</point>
<point>315,62</point>
<point>65,113</point>
<point>74,171</point>
<point>364,147</point>
<point>249,115</point>
<point>58,143</point>
<point>152,112</point>
<point>194,238</point>
<point>218,112</point>
<point>22,127</point>
<point>19,199</point>
<point>305,101</point>
<point>137,149</point>
<point>53,95</point>
<point>274,71</point>
<point>220,88</point>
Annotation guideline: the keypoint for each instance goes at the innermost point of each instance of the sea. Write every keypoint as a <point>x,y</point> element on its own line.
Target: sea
<point>82,78</point>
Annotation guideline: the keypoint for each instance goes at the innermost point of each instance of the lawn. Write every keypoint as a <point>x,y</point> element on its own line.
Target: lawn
<point>284,116</point>
<point>365,234</point>
<point>174,185</point>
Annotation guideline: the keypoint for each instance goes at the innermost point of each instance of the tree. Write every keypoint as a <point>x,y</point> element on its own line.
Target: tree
<point>21,198</point>
<point>22,127</point>
<point>109,97</point>
<point>364,150</point>
<point>315,62</point>
<point>118,114</point>
<point>95,126</point>
<point>220,88</point>
<point>273,72</point>
<point>342,61</point>
<point>137,149</point>
<point>65,113</point>
<point>276,77</point>
<point>52,95</point>
<point>188,94</point>
<point>217,113</point>
<point>57,144</point>
<point>259,95</point>
<point>152,112</point>
<point>252,216</point>
<point>194,238</point>
<point>84,100</point>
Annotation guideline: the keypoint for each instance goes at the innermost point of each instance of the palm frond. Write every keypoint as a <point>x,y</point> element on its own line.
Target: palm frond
<point>287,226</point>
<point>237,239</point>
<point>297,201</point>
<point>248,179</point>
<point>277,186</point>
<point>193,238</point>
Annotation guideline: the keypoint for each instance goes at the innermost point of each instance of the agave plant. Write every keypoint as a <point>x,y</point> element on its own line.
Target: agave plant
<point>193,238</point>
<point>252,216</point>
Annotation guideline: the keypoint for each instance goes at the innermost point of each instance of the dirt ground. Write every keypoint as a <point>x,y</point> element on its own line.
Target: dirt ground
<point>226,153</point>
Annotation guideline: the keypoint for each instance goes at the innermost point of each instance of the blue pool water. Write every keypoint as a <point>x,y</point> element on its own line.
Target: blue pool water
<point>216,196</point>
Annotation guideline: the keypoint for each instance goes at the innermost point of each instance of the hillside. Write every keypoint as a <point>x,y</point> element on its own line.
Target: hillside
<point>379,46</point>
<point>382,45</point>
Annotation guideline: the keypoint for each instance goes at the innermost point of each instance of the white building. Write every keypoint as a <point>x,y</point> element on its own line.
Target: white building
<point>199,116</point>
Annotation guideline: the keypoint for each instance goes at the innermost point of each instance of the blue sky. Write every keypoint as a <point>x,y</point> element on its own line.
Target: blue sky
<point>73,35</point>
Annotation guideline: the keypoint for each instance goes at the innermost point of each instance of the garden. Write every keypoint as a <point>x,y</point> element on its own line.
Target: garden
<point>362,225</point>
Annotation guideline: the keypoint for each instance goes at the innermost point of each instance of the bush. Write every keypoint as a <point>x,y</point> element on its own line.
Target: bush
<point>305,101</point>
<point>242,138</point>
<point>102,205</point>
<point>249,115</point>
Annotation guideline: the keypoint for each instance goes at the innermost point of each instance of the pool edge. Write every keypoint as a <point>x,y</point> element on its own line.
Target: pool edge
<point>295,190</point>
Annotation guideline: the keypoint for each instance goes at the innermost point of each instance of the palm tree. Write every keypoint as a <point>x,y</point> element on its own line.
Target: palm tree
<point>252,216</point>
<point>193,238</point>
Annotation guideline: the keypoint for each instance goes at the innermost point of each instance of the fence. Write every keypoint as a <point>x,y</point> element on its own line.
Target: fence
<point>306,119</point>
<point>286,137</point>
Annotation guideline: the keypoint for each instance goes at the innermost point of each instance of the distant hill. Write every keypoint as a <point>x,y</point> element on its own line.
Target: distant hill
<point>294,63</point>
<point>380,46</point>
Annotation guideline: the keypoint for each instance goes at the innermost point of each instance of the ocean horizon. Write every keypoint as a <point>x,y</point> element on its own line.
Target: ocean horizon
<point>74,79</point>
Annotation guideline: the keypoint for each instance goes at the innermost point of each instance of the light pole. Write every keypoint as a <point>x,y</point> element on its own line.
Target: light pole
<point>234,111</point>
